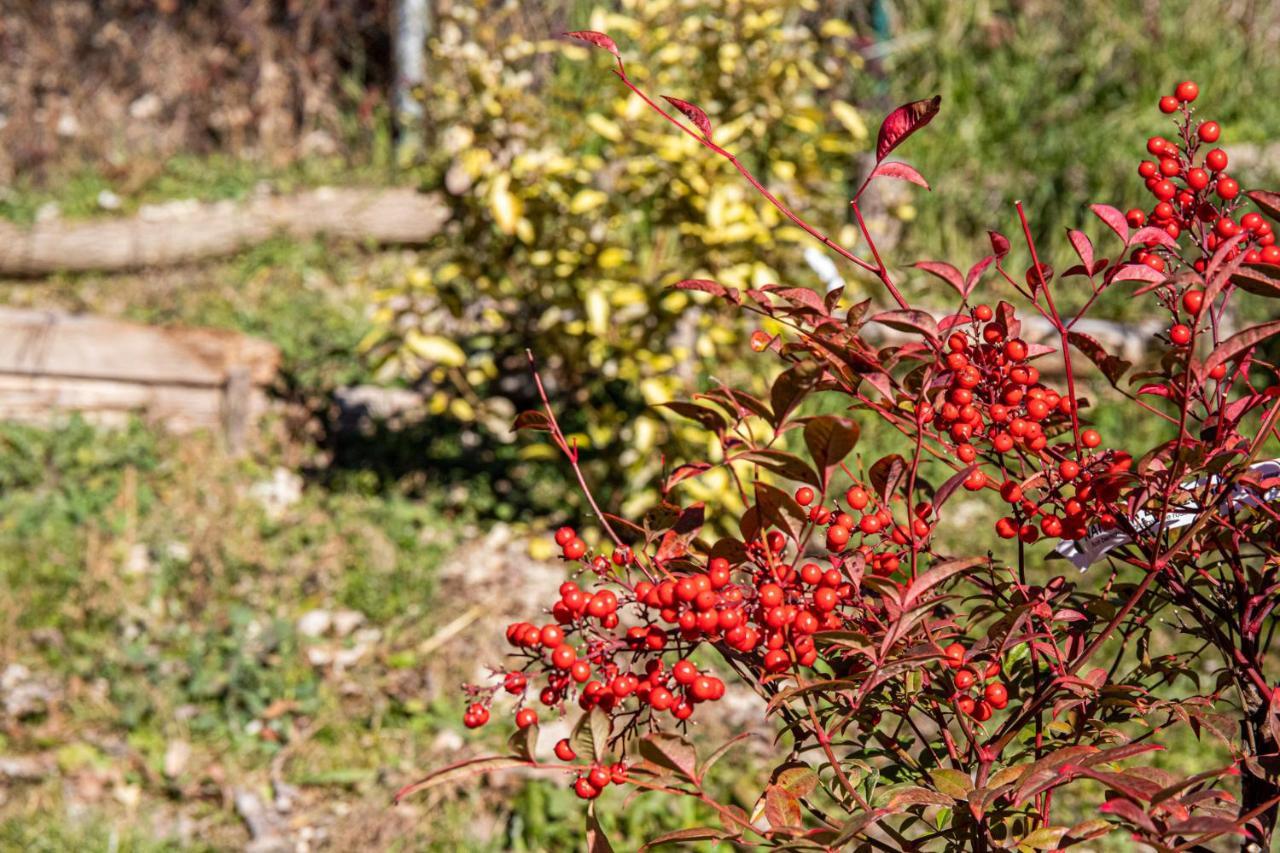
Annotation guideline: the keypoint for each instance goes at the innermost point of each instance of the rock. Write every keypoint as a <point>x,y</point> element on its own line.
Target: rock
<point>24,694</point>
<point>137,561</point>
<point>315,623</point>
<point>278,494</point>
<point>266,833</point>
<point>107,200</point>
<point>346,621</point>
<point>145,107</point>
<point>176,757</point>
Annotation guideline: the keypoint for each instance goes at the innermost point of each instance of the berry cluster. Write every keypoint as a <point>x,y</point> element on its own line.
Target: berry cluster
<point>762,613</point>
<point>979,692</point>
<point>993,409</point>
<point>1195,196</point>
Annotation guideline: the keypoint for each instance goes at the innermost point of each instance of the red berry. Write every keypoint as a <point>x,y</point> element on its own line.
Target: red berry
<point>997,694</point>
<point>1164,190</point>
<point>1091,438</point>
<point>526,717</point>
<point>1157,145</point>
<point>965,704</point>
<point>1227,188</point>
<point>804,496</point>
<point>1271,255</point>
<point>585,789</point>
<point>1168,104</point>
<point>563,656</point>
<point>954,654</point>
<point>1193,301</point>
<point>564,535</point>
<point>1180,335</point>
<point>1216,159</point>
<point>564,750</point>
<point>1135,218</point>
<point>1209,131</point>
<point>982,713</point>
<point>599,777</point>
<point>1197,178</point>
<point>1186,91</point>
<point>966,678</point>
<point>574,549</point>
<point>857,497</point>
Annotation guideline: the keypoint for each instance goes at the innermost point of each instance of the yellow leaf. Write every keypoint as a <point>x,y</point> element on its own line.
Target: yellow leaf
<point>505,206</point>
<point>587,200</point>
<point>434,348</point>
<point>613,257</point>
<point>851,119</point>
<point>597,312</point>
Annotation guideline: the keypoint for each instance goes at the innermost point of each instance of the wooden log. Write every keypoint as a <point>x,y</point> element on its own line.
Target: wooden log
<point>185,232</point>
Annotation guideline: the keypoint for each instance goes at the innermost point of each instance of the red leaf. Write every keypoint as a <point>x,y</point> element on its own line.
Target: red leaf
<point>1151,234</point>
<point>1269,202</point>
<point>917,322</point>
<point>901,171</point>
<point>1083,247</point>
<point>999,243</point>
<point>903,122</point>
<point>596,39</point>
<point>692,113</point>
<point>935,576</point>
<point>704,285</point>
<point>684,472</point>
<point>975,272</point>
<point>1138,272</point>
<point>461,770</point>
<point>944,271</point>
<point>1115,219</point>
<point>1239,342</point>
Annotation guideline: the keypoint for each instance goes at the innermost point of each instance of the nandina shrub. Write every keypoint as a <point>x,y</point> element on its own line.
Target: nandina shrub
<point>932,700</point>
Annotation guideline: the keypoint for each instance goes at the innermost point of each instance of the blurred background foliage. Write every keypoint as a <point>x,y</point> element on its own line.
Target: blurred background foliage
<point>574,210</point>
<point>142,572</point>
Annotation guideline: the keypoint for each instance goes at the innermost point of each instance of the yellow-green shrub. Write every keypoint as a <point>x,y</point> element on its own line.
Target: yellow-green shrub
<point>574,209</point>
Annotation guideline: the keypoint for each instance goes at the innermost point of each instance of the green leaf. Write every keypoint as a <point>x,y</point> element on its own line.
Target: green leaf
<point>953,783</point>
<point>795,778</point>
<point>1044,838</point>
<point>591,734</point>
<point>523,742</point>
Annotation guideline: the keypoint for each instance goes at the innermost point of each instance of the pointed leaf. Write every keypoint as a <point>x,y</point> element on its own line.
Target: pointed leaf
<point>903,122</point>
<point>1082,245</point>
<point>591,734</point>
<point>597,841</point>
<point>944,271</point>
<point>1113,218</point>
<point>672,752</point>
<point>1239,343</point>
<point>1111,367</point>
<point>1269,202</point>
<point>531,419</point>
<point>975,272</point>
<point>695,833</point>
<point>999,243</point>
<point>1151,235</point>
<point>901,171</point>
<point>915,322</point>
<point>692,113</point>
<point>935,576</point>
<point>830,439</point>
<point>596,39</point>
<point>461,770</point>
<point>1138,272</point>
